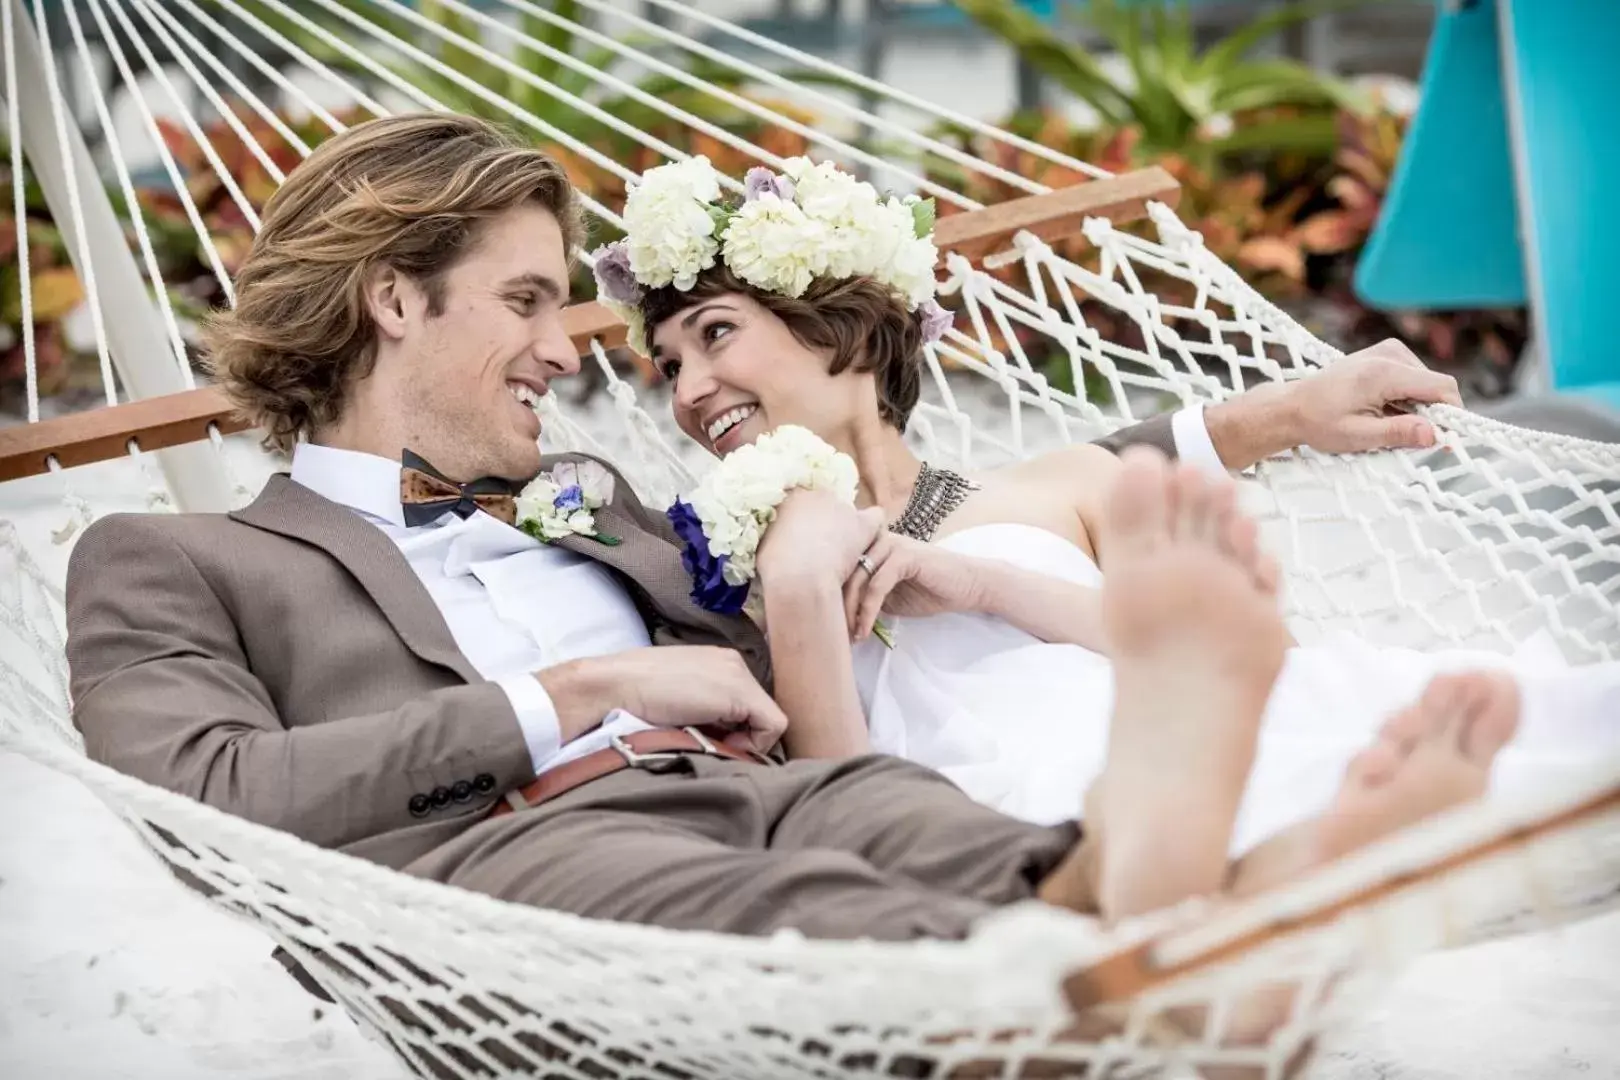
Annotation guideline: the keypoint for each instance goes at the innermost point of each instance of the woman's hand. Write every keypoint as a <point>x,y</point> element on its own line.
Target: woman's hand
<point>909,577</point>
<point>815,537</point>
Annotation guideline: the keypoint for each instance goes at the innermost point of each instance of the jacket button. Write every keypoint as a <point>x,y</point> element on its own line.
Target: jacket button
<point>440,797</point>
<point>420,806</point>
<point>483,783</point>
<point>461,791</point>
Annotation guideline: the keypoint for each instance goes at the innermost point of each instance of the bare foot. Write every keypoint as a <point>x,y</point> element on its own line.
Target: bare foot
<point>1429,757</point>
<point>1196,647</point>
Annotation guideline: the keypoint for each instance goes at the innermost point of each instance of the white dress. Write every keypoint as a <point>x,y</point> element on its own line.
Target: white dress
<point>1022,725</point>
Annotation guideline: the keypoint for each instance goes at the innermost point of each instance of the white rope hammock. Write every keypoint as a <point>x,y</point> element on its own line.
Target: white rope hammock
<point>1495,536</point>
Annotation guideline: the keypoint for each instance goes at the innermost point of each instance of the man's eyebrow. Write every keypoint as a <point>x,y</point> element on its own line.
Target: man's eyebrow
<point>546,285</point>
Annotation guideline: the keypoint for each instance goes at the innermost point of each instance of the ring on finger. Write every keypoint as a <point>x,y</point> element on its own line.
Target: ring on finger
<point>865,563</point>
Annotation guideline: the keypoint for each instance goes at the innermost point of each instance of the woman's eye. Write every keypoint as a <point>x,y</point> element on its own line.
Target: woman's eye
<point>670,369</point>
<point>525,302</point>
<point>716,330</point>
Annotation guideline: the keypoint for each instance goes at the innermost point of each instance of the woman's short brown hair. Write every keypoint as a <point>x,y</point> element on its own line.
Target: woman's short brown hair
<point>405,191</point>
<point>861,322</point>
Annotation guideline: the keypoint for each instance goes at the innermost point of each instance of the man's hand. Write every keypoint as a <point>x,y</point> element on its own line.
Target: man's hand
<point>668,686</point>
<point>1347,407</point>
<point>815,537</point>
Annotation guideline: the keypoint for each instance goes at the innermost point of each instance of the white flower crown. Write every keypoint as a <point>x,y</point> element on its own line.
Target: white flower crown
<point>812,221</point>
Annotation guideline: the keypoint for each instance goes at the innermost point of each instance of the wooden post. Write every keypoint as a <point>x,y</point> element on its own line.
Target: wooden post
<point>135,336</point>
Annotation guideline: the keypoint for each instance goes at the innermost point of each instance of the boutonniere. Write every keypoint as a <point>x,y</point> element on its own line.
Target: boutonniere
<point>725,519</point>
<point>559,503</point>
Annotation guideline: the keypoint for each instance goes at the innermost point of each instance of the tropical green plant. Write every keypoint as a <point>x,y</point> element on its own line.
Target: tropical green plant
<point>1213,102</point>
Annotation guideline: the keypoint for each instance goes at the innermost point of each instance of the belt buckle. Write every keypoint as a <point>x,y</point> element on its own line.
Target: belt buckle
<point>636,760</point>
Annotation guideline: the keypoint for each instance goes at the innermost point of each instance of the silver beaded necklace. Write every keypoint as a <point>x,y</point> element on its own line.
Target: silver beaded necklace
<point>937,493</point>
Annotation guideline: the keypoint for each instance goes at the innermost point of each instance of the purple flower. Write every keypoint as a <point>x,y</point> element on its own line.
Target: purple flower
<point>710,590</point>
<point>614,278</point>
<point>935,321</point>
<point>569,499</point>
<point>761,181</point>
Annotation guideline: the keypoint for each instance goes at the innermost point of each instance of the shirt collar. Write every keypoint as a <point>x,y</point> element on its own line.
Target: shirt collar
<point>363,482</point>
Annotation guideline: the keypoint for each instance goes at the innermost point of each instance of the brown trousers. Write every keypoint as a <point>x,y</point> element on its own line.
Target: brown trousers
<point>869,847</point>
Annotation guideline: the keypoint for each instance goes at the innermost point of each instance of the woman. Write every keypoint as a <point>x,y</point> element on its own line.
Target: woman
<point>1000,676</point>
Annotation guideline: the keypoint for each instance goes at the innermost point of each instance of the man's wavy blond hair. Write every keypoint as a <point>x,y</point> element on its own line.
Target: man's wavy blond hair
<point>406,191</point>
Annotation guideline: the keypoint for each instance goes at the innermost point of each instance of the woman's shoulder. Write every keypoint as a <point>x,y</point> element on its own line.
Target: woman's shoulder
<point>1078,468</point>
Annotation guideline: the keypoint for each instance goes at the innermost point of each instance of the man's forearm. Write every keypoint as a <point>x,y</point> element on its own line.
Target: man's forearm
<point>815,677</point>
<point>582,693</point>
<point>1253,426</point>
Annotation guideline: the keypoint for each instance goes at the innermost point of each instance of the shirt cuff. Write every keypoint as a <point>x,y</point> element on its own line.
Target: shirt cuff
<point>536,717</point>
<point>1193,444</point>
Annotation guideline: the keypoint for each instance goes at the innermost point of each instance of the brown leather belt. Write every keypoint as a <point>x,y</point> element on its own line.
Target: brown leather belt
<point>634,751</point>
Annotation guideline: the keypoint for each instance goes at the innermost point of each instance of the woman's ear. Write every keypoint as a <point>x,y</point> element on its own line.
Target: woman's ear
<point>386,300</point>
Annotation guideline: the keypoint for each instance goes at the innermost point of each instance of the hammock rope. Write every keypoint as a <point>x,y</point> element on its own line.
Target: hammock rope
<point>1488,540</point>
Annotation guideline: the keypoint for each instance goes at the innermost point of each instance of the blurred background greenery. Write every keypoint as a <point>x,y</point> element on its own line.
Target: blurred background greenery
<point>1283,163</point>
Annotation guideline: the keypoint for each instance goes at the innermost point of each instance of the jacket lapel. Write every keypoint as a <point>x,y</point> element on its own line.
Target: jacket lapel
<point>294,511</point>
<point>648,555</point>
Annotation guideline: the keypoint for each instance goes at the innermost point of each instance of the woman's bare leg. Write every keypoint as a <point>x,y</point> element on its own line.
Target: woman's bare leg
<point>1196,642</point>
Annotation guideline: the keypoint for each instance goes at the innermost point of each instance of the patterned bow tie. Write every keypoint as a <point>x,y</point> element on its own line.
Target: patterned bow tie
<point>426,494</point>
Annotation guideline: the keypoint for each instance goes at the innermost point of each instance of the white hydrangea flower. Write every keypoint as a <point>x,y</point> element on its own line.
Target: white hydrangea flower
<point>669,226</point>
<point>849,210</point>
<point>737,501</point>
<point>548,510</point>
<point>536,499</point>
<point>911,271</point>
<point>772,244</point>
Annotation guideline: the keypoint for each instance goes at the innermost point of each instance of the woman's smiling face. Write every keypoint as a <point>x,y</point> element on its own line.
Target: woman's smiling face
<point>738,371</point>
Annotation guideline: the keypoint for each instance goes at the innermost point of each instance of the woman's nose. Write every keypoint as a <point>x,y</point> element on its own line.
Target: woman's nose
<point>693,385</point>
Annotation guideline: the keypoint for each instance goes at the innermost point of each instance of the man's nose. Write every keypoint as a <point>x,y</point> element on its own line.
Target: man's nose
<point>556,351</point>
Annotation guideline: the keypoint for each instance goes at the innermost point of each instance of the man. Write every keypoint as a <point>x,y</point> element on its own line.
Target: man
<point>393,678</point>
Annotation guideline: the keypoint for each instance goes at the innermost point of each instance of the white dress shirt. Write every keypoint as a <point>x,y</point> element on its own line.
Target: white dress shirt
<point>515,606</point>
<point>1193,444</point>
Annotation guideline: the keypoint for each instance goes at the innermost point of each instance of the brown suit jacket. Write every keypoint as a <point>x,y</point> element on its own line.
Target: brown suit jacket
<point>283,663</point>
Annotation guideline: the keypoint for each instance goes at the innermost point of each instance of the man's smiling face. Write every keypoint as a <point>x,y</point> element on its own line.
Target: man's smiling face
<point>468,369</point>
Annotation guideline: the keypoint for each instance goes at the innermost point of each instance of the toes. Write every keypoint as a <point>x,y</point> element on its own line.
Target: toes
<point>1490,715</point>
<point>1188,497</point>
<point>1221,511</point>
<point>1141,503</point>
<point>1443,703</point>
<point>1240,537</point>
<point>1408,725</point>
<point>1376,765</point>
<point>1267,574</point>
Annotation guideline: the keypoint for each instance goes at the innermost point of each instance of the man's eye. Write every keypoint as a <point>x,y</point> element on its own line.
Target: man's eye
<point>670,370</point>
<point>525,302</point>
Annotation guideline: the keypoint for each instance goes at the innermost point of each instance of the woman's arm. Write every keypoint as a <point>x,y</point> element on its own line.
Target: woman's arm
<point>1043,606</point>
<point>910,578</point>
<point>814,668</point>
<point>806,554</point>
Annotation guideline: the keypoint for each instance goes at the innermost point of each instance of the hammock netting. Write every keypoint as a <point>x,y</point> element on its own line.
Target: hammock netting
<point>1496,536</point>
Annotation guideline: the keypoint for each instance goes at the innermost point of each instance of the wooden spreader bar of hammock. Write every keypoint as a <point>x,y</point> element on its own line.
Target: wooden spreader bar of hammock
<point>1128,973</point>
<point>175,419</point>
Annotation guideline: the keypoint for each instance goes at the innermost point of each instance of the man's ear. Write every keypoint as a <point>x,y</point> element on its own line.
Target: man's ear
<point>387,297</point>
